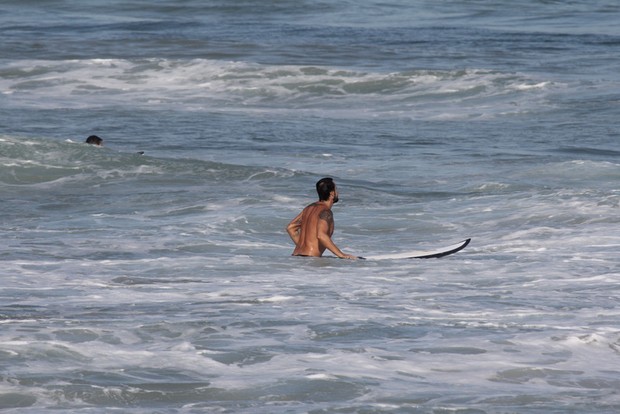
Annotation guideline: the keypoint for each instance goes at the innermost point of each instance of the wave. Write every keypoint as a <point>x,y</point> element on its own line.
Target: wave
<point>36,162</point>
<point>588,151</point>
<point>202,84</point>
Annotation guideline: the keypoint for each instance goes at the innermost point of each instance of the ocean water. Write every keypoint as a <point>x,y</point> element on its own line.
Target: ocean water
<point>163,283</point>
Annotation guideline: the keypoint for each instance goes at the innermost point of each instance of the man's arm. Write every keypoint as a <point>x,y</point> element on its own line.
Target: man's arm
<point>326,222</point>
<point>293,228</point>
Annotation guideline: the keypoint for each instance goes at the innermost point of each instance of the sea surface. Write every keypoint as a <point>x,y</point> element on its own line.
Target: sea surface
<point>154,274</point>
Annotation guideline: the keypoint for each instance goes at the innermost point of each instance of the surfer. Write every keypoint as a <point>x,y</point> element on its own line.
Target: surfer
<point>94,140</point>
<point>98,142</point>
<point>312,229</point>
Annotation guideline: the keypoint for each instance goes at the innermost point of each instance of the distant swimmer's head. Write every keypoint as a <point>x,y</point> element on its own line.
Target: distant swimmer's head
<point>94,140</point>
<point>325,187</point>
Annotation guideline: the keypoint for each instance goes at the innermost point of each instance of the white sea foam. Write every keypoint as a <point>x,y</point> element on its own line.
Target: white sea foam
<point>199,83</point>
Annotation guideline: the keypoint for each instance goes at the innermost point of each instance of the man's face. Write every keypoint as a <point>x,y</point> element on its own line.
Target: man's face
<point>335,195</point>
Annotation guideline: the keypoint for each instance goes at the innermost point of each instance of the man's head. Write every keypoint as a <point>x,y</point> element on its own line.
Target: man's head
<point>325,187</point>
<point>94,140</point>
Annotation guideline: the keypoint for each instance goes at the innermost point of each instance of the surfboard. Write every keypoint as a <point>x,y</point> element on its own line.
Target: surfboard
<point>422,254</point>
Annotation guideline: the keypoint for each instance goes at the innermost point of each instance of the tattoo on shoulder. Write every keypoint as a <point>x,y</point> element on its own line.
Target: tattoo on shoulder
<point>327,215</point>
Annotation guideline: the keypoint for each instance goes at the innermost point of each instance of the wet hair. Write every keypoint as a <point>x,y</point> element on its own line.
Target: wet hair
<point>324,187</point>
<point>94,140</point>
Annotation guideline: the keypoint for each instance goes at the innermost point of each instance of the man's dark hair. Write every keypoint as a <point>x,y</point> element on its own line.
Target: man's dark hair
<point>324,187</point>
<point>94,140</point>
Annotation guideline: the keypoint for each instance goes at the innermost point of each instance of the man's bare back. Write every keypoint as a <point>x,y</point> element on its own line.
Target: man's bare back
<point>312,229</point>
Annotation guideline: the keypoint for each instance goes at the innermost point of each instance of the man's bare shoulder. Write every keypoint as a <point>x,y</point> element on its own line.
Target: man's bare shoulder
<point>326,215</point>
<point>315,208</point>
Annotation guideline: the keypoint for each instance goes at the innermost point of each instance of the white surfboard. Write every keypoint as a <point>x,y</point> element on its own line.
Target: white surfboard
<point>422,254</point>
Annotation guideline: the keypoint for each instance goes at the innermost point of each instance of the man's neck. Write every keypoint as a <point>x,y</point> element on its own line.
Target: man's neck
<point>329,202</point>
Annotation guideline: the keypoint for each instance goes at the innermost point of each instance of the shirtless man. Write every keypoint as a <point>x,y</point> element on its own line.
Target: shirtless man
<point>312,229</point>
